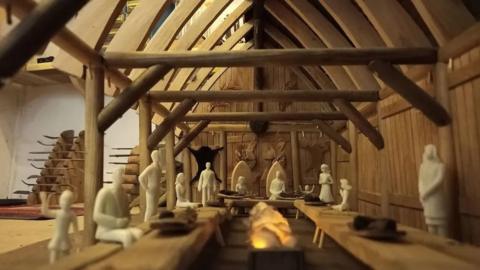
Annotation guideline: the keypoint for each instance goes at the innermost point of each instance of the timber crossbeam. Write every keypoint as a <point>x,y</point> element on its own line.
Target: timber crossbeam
<point>263,116</point>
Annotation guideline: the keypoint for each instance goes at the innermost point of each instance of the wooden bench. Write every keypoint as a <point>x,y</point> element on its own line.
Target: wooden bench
<point>152,251</point>
<point>420,250</point>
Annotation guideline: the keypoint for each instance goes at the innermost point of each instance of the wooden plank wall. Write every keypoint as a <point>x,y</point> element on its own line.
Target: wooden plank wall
<point>312,145</point>
<point>393,172</point>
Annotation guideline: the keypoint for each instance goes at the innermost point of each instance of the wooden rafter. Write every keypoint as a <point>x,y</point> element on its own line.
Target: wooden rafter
<point>267,116</point>
<point>189,137</point>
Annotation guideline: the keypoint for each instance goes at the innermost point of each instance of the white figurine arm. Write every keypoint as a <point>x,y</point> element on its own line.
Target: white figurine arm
<point>74,222</point>
<point>45,199</point>
<point>103,219</point>
<point>436,183</point>
<point>283,188</point>
<point>143,178</point>
<point>200,181</point>
<point>330,179</point>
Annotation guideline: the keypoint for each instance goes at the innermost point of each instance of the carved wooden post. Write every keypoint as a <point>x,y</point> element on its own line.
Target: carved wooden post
<point>446,150</point>
<point>171,172</point>
<point>94,101</point>
<point>295,160</point>
<point>187,171</point>
<point>145,128</point>
<point>352,134</point>
<point>223,160</point>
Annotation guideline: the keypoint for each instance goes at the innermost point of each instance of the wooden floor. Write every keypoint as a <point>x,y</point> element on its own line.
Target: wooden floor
<point>234,255</point>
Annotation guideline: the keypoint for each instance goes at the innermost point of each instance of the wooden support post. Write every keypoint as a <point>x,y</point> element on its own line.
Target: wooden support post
<point>267,116</point>
<point>258,25</point>
<point>33,32</point>
<point>94,100</point>
<point>352,134</point>
<point>117,107</point>
<point>169,122</point>
<point>187,138</point>
<point>171,171</point>
<point>223,160</point>
<point>411,92</point>
<point>187,171</point>
<point>265,95</point>
<point>145,128</point>
<point>333,165</point>
<point>294,57</point>
<point>360,122</point>
<point>295,160</point>
<point>334,136</point>
<point>446,151</point>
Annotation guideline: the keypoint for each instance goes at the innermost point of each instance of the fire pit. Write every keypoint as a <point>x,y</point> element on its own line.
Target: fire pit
<point>272,242</point>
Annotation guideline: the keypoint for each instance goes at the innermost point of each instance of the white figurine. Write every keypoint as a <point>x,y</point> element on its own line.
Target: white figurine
<point>206,184</point>
<point>344,193</point>
<point>182,200</point>
<point>307,189</point>
<point>59,245</point>
<point>241,186</point>
<point>325,180</point>
<point>432,197</point>
<point>112,215</point>
<point>150,180</point>
<point>277,186</point>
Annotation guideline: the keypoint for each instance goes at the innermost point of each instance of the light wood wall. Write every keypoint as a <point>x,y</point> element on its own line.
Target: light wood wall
<point>388,179</point>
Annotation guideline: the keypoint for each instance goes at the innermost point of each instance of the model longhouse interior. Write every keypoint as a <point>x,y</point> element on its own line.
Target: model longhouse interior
<point>239,134</point>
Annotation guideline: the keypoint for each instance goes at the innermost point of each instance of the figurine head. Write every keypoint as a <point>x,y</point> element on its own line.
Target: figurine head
<point>180,179</point>
<point>155,156</point>
<point>307,187</point>
<point>242,180</point>
<point>344,184</point>
<point>324,168</point>
<point>208,165</point>
<point>117,177</point>
<point>66,199</point>
<point>430,153</point>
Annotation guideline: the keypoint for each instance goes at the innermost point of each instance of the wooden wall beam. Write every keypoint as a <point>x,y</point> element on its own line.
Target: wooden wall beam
<point>145,129</point>
<point>296,57</point>
<point>171,169</point>
<point>411,92</point>
<point>273,127</point>
<point>161,110</point>
<point>169,122</point>
<point>267,116</point>
<point>266,95</point>
<point>189,137</point>
<point>334,136</point>
<point>117,107</point>
<point>34,31</point>
<point>295,160</point>
<point>223,161</point>
<point>94,145</point>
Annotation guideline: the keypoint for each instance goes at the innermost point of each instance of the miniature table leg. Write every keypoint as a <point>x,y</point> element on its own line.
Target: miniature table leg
<point>322,239</point>
<point>315,236</point>
<point>298,214</point>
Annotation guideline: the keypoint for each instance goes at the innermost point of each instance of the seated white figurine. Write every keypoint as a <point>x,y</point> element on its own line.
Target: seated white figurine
<point>277,186</point>
<point>241,187</point>
<point>344,193</point>
<point>181,192</point>
<point>59,246</point>
<point>307,189</point>
<point>112,215</point>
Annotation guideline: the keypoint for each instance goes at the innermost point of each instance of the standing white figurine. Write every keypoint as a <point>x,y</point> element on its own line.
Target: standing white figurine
<point>277,186</point>
<point>112,215</point>
<point>182,200</point>
<point>150,180</point>
<point>325,180</point>
<point>344,193</point>
<point>432,197</point>
<point>241,186</point>
<point>206,184</point>
<point>59,245</point>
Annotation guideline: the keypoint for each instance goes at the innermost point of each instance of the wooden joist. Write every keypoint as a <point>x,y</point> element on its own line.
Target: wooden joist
<point>169,122</point>
<point>267,116</point>
<point>334,136</point>
<point>117,107</point>
<point>186,139</point>
<point>265,95</point>
<point>340,56</point>
<point>45,20</point>
<point>273,127</point>
<point>411,92</point>
<point>467,40</point>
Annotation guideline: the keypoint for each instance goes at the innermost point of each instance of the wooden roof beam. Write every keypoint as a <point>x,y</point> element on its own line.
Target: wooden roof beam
<point>295,57</point>
<point>265,95</point>
<point>34,31</point>
<point>189,137</point>
<point>411,92</point>
<point>272,127</point>
<point>169,122</point>
<point>267,116</point>
<point>334,136</point>
<point>462,43</point>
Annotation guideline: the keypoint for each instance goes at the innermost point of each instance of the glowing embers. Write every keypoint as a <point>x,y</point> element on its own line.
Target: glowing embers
<point>269,229</point>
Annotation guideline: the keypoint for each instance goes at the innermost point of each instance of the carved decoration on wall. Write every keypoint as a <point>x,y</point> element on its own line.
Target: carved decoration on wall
<point>247,152</point>
<point>275,152</point>
<point>313,153</point>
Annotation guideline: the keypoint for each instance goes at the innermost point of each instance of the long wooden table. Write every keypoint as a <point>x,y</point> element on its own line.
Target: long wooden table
<point>152,251</point>
<point>420,250</point>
